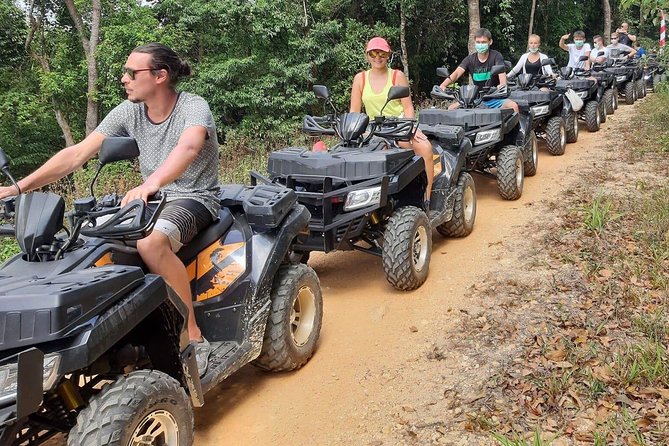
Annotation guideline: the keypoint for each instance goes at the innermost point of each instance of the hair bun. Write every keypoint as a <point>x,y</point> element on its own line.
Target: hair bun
<point>184,70</point>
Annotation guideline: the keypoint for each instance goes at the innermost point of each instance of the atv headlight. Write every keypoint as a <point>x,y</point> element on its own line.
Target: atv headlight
<point>486,136</point>
<point>582,94</point>
<point>9,376</point>
<point>540,110</point>
<point>362,198</point>
<point>647,77</point>
<point>621,78</point>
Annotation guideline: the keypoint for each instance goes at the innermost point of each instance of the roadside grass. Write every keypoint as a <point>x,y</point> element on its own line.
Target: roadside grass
<point>598,371</point>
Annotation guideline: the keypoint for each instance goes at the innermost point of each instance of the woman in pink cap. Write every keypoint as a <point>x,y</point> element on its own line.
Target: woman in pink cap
<point>370,88</point>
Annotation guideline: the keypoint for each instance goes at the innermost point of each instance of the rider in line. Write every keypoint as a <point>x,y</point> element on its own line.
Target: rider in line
<point>576,50</point>
<point>178,147</point>
<point>479,65</point>
<point>530,62</point>
<point>370,89</point>
<point>621,47</point>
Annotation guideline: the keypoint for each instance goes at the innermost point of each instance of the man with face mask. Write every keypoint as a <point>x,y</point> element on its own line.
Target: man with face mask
<point>622,48</point>
<point>576,50</point>
<point>479,64</point>
<point>595,54</point>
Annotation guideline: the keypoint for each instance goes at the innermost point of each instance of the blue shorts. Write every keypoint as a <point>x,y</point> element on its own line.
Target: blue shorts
<point>494,103</point>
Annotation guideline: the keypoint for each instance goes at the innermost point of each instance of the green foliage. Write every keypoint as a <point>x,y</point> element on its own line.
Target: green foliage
<point>8,248</point>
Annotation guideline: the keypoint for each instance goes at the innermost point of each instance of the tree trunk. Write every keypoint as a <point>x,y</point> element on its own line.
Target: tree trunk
<point>607,20</point>
<point>531,27</point>
<point>403,40</point>
<point>474,23</point>
<point>44,63</point>
<point>546,20</point>
<point>90,45</point>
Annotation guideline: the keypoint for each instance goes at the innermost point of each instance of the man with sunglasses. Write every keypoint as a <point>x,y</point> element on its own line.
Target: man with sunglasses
<point>178,146</point>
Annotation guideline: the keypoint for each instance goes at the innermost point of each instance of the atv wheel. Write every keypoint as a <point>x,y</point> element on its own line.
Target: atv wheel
<point>556,136</point>
<point>608,101</point>
<point>464,209</point>
<point>530,155</point>
<point>656,80</point>
<point>630,93</point>
<point>642,82</point>
<point>615,98</point>
<point>407,248</point>
<point>592,116</point>
<point>510,174</point>
<point>602,111</point>
<point>571,127</point>
<point>145,407</point>
<point>294,321</point>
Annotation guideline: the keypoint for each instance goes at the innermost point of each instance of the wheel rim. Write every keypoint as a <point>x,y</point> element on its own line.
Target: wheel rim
<point>598,117</point>
<point>575,125</point>
<point>468,200</point>
<point>563,137</point>
<point>615,100</point>
<point>519,173</point>
<point>535,151</point>
<point>302,316</point>
<point>419,248</point>
<point>159,428</point>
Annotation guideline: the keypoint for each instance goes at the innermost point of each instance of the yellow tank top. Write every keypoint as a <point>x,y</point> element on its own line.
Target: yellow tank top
<point>374,101</point>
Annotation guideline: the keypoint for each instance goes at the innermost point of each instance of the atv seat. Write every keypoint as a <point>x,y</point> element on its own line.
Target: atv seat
<point>208,236</point>
<point>467,118</point>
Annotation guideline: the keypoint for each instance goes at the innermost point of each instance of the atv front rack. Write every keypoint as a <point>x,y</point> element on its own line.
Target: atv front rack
<point>330,228</point>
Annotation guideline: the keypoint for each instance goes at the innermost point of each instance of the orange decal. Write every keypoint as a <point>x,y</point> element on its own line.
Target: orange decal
<point>226,262</point>
<point>104,260</point>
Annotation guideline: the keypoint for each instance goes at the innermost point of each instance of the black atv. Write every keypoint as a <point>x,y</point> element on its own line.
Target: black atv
<point>550,109</point>
<point>94,347</point>
<point>608,87</point>
<point>655,72</point>
<point>501,140</point>
<point>366,193</point>
<point>588,91</point>
<point>629,77</point>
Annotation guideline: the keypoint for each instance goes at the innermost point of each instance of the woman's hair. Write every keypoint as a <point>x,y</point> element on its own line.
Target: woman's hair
<point>534,36</point>
<point>165,58</point>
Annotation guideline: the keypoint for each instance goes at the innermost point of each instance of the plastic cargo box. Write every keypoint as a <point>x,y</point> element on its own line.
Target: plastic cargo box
<point>476,117</point>
<point>533,97</point>
<point>352,165</point>
<point>574,84</point>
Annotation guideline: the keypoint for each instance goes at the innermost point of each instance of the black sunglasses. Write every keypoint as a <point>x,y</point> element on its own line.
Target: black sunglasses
<point>131,72</point>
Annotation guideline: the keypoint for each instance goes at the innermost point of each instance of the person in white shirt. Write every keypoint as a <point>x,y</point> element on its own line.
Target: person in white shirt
<point>576,50</point>
<point>530,62</point>
<point>599,47</point>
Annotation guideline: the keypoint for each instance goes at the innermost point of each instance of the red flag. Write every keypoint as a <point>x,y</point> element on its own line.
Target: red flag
<point>662,30</point>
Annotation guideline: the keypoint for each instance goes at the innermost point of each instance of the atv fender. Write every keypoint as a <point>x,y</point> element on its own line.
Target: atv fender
<point>526,120</point>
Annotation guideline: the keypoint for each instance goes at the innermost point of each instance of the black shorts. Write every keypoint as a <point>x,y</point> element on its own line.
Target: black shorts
<point>181,220</point>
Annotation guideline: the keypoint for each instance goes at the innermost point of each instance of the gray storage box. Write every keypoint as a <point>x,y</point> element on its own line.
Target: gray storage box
<point>533,96</point>
<point>446,134</point>
<point>476,117</point>
<point>574,84</point>
<point>352,165</point>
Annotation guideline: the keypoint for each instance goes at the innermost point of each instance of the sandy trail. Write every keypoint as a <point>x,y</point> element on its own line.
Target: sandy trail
<point>370,330</point>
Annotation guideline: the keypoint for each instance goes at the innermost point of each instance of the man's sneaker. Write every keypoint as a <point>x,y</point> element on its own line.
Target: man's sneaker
<point>202,352</point>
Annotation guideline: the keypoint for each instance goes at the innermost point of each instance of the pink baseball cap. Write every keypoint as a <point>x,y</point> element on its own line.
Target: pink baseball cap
<point>378,43</point>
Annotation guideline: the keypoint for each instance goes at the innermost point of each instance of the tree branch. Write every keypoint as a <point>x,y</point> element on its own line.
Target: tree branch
<point>79,24</point>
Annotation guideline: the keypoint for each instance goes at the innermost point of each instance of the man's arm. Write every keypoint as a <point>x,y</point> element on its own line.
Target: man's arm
<point>563,39</point>
<point>455,75</point>
<point>184,153</point>
<point>61,164</point>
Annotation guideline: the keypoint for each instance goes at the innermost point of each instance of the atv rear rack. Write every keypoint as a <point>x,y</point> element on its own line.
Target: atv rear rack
<point>330,230</point>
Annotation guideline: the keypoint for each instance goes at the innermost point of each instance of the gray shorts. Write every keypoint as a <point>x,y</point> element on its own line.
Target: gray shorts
<point>181,220</point>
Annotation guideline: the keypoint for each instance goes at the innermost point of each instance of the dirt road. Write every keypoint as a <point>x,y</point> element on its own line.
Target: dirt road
<point>347,392</point>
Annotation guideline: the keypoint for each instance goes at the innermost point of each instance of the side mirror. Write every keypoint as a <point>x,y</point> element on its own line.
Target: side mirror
<point>398,92</point>
<point>601,53</point>
<point>118,149</point>
<point>548,61</point>
<point>321,92</point>
<point>4,161</point>
<point>497,69</point>
<point>582,58</point>
<point>443,72</point>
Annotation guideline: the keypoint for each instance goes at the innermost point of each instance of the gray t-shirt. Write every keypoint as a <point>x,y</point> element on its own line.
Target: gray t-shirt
<point>620,49</point>
<point>156,140</point>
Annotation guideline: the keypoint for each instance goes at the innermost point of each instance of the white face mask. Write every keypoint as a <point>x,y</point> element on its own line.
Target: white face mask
<point>534,50</point>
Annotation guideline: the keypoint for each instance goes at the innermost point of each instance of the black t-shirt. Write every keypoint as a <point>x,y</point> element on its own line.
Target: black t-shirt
<point>624,39</point>
<point>480,71</point>
<point>533,67</point>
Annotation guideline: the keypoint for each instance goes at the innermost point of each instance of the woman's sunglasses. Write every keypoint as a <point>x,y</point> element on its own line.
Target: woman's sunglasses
<point>377,53</point>
<point>131,72</point>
